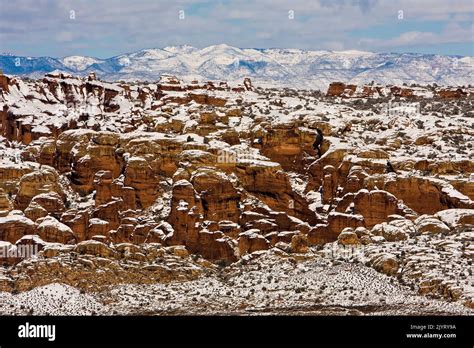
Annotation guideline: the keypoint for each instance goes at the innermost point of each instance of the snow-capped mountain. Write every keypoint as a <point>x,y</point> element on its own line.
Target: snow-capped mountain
<point>79,63</point>
<point>277,67</point>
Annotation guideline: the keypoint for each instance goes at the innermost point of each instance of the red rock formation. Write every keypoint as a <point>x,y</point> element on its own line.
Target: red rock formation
<point>401,92</point>
<point>185,215</point>
<point>99,155</point>
<point>219,199</point>
<point>98,227</point>
<point>325,233</point>
<point>143,179</point>
<point>252,240</point>
<point>5,204</point>
<point>457,93</point>
<point>338,89</point>
<point>4,82</point>
<point>288,145</point>
<point>219,208</point>
<point>207,99</point>
<point>8,257</point>
<point>375,206</point>
<point>299,243</point>
<point>110,212</point>
<point>51,230</point>
<point>255,176</point>
<point>51,202</point>
<point>215,246</point>
<point>78,222</point>
<point>34,211</point>
<point>44,180</point>
<point>423,195</point>
<point>13,227</point>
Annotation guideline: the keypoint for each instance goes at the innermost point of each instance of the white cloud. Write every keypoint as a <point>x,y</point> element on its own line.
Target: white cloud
<point>65,36</point>
<point>452,33</point>
<point>116,26</point>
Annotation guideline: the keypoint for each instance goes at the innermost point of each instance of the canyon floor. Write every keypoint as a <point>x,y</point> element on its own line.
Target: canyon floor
<point>172,197</point>
<point>267,286</point>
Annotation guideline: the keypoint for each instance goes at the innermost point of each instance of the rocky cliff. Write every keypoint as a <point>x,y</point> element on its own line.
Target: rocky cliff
<point>211,173</point>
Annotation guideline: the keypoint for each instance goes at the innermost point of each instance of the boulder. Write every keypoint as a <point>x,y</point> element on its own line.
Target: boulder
<point>394,230</point>
<point>338,221</point>
<point>430,224</point>
<point>348,237</point>
<point>51,202</point>
<point>13,227</point>
<point>51,230</point>
<point>98,227</point>
<point>456,217</point>
<point>93,247</point>
<point>385,263</point>
<point>34,211</point>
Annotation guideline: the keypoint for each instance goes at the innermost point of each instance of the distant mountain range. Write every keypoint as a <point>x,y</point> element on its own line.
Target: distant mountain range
<point>277,67</point>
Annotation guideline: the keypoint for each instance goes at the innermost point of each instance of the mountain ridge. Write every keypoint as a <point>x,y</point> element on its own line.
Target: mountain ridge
<point>308,69</point>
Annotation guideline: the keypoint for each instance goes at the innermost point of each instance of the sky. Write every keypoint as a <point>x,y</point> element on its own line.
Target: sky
<point>105,28</point>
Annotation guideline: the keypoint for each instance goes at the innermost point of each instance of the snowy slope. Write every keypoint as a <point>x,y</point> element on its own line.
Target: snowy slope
<point>79,63</point>
<point>280,67</point>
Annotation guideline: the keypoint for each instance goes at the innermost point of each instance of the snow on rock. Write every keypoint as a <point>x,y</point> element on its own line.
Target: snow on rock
<point>138,182</point>
<point>456,217</point>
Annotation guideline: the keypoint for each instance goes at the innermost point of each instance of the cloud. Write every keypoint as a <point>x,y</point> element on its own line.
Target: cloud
<point>107,27</point>
<point>364,5</point>
<point>452,33</point>
<point>65,36</point>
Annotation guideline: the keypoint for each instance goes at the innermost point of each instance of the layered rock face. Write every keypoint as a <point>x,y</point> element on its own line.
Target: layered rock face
<point>226,172</point>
